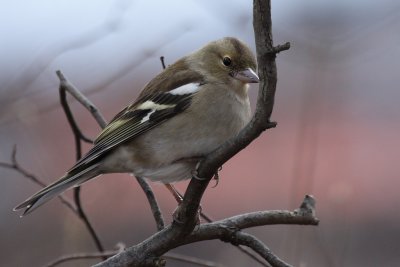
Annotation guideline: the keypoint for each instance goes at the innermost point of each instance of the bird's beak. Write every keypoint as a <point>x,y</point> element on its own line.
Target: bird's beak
<point>247,76</point>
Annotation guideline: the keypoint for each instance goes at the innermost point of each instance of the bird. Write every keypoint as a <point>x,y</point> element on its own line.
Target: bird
<point>181,115</point>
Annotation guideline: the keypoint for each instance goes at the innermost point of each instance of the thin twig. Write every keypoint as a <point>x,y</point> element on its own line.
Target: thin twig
<point>256,245</point>
<point>78,136</point>
<point>153,203</point>
<point>17,167</point>
<point>65,85</point>
<point>208,219</point>
<point>162,62</point>
<point>203,215</point>
<point>258,124</point>
<point>229,229</point>
<point>86,221</point>
<point>225,230</point>
<point>89,255</point>
<point>279,48</point>
<point>181,231</point>
<point>82,99</point>
<point>244,250</point>
<point>301,216</point>
<point>192,260</point>
<point>80,256</point>
<point>95,255</point>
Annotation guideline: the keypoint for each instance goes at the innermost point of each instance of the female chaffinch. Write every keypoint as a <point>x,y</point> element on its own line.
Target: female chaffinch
<point>185,112</point>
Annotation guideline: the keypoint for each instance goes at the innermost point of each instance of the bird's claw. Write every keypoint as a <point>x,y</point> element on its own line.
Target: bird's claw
<point>177,220</point>
<point>195,173</point>
<point>175,216</point>
<point>196,176</point>
<point>216,177</point>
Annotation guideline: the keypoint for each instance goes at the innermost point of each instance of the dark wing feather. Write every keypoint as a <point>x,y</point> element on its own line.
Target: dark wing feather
<point>128,123</point>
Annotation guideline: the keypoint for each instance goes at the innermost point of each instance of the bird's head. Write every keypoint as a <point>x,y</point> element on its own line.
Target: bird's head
<point>227,60</point>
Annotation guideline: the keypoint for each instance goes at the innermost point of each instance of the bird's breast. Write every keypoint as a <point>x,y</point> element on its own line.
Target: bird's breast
<point>205,125</point>
<point>159,154</point>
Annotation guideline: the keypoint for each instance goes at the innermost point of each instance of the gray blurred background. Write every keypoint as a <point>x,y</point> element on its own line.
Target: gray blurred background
<point>337,109</point>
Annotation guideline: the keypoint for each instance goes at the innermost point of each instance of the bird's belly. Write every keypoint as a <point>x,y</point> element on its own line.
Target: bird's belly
<point>169,160</point>
<point>166,152</point>
<point>169,173</point>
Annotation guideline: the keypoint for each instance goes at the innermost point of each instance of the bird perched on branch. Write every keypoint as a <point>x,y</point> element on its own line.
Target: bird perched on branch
<point>183,114</point>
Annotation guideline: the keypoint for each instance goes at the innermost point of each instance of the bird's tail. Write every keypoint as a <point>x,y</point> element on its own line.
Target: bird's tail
<point>56,188</point>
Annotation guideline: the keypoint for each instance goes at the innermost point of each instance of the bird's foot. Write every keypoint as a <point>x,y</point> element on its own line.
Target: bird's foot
<point>195,173</point>
<point>176,213</point>
<point>216,176</point>
<point>178,197</point>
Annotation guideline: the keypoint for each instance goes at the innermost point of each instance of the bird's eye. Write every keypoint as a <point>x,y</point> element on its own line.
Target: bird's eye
<point>227,61</point>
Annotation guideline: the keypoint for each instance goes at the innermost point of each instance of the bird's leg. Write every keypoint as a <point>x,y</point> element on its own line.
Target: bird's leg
<point>178,197</point>
<point>216,176</point>
<point>195,173</point>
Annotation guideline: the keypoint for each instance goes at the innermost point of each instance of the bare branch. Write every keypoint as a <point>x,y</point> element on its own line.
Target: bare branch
<point>179,198</point>
<point>162,62</point>
<point>226,230</point>
<point>279,48</point>
<point>217,229</point>
<point>251,254</point>
<point>259,123</point>
<point>207,218</point>
<point>153,203</point>
<point>307,207</point>
<point>256,245</point>
<point>89,255</point>
<point>180,232</point>
<point>202,214</point>
<point>17,167</point>
<point>67,86</point>
<point>86,221</point>
<point>192,260</point>
<point>80,256</point>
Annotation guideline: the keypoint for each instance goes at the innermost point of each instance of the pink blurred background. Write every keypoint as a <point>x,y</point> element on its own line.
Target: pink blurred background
<point>337,109</point>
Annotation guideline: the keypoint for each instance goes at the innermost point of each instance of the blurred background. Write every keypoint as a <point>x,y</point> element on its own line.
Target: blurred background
<point>337,108</point>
